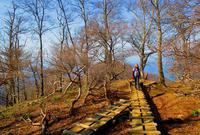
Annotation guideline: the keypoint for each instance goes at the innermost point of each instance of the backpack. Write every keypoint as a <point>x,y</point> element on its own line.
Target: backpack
<point>136,72</point>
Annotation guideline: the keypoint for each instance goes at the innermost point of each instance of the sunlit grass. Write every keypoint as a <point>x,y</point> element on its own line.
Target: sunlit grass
<point>121,85</point>
<point>196,113</point>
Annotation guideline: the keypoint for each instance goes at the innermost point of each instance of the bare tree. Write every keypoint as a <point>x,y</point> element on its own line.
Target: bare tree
<point>73,70</point>
<point>63,38</point>
<point>34,69</point>
<point>141,34</point>
<point>107,34</point>
<point>38,10</point>
<point>182,16</point>
<point>158,7</point>
<point>66,16</point>
<point>14,59</point>
<point>82,7</point>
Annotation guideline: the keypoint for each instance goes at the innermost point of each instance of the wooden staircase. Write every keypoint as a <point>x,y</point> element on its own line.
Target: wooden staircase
<point>94,125</point>
<point>142,119</point>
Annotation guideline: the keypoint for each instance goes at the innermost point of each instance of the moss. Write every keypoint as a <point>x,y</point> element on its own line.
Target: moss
<point>57,98</point>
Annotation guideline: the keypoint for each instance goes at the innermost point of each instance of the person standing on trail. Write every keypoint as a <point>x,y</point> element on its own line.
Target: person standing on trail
<point>136,76</point>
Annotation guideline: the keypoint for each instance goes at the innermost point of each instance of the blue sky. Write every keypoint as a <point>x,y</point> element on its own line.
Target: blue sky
<point>151,66</point>
<point>4,4</point>
<point>50,39</point>
<point>32,43</point>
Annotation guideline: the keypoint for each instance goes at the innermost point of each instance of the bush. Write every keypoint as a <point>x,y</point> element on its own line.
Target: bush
<point>56,98</point>
<point>27,116</point>
<point>2,115</point>
<point>196,113</point>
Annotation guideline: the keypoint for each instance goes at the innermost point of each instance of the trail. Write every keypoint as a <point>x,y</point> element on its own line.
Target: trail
<point>137,115</point>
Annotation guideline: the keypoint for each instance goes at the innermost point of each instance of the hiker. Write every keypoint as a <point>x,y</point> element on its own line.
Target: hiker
<point>136,76</point>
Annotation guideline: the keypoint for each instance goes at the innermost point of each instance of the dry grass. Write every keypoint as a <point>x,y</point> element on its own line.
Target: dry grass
<point>175,110</point>
<point>14,119</point>
<point>120,85</point>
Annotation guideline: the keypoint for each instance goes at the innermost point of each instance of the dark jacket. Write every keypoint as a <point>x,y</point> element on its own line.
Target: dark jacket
<point>136,72</point>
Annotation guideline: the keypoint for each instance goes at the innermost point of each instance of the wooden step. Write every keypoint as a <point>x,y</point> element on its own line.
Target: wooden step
<point>147,114</point>
<point>148,120</point>
<point>136,97</point>
<point>99,123</point>
<point>82,125</point>
<point>92,120</point>
<point>135,132</point>
<point>68,132</point>
<point>77,129</point>
<point>136,122</point>
<point>141,95</point>
<point>136,115</point>
<point>150,127</point>
<point>139,122</point>
<point>141,110</point>
<point>143,113</point>
<point>142,117</point>
<point>141,107</point>
<point>139,102</point>
<point>105,115</point>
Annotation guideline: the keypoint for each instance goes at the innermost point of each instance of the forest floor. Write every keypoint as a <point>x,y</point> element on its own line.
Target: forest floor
<point>16,119</point>
<point>175,111</point>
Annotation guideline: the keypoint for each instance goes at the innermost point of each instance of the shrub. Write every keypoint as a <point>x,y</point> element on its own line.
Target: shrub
<point>27,116</point>
<point>2,115</point>
<point>56,98</point>
<point>196,113</point>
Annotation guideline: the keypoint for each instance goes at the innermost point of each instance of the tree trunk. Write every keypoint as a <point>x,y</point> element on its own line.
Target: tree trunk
<point>18,89</point>
<point>159,62</point>
<point>87,60</point>
<point>41,66</point>
<point>36,81</point>
<point>105,86</point>
<point>159,48</point>
<point>141,65</point>
<point>7,99</point>
<point>24,89</point>
<point>61,53</point>
<point>14,92</point>
<point>61,82</point>
<point>77,98</point>
<point>186,56</point>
